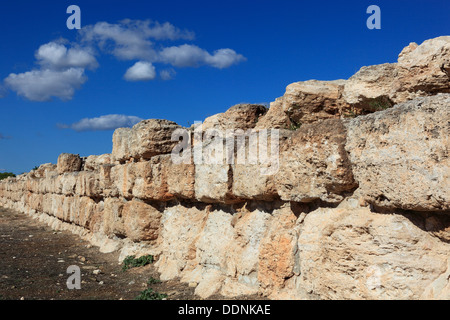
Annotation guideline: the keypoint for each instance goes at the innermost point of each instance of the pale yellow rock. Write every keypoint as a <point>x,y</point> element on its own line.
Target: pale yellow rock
<point>370,88</point>
<point>88,184</point>
<point>275,117</point>
<point>113,217</point>
<point>257,163</point>
<point>250,226</point>
<point>146,139</point>
<point>123,178</point>
<point>310,101</point>
<point>214,240</point>
<point>181,226</point>
<point>277,254</point>
<point>180,179</point>
<point>210,284</point>
<point>93,163</point>
<point>69,182</point>
<point>314,164</point>
<point>358,254</point>
<point>234,289</point>
<point>400,156</point>
<point>212,182</point>
<point>241,116</point>
<point>68,163</point>
<point>141,221</point>
<point>424,70</point>
<point>150,179</point>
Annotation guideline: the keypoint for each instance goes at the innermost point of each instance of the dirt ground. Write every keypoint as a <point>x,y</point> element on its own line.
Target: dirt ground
<point>34,261</point>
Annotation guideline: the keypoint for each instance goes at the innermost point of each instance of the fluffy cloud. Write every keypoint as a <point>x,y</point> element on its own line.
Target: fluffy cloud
<point>134,40</point>
<point>56,56</point>
<point>224,58</point>
<point>116,39</point>
<point>131,39</point>
<point>62,67</point>
<point>155,30</point>
<point>102,123</point>
<point>141,71</point>
<point>192,56</point>
<point>42,85</point>
<point>61,73</point>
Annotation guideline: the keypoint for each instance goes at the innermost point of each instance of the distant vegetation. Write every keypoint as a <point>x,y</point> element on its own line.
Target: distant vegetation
<point>4,175</point>
<point>149,294</point>
<point>132,262</point>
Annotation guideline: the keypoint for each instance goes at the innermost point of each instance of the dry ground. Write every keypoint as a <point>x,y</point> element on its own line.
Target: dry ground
<point>34,260</point>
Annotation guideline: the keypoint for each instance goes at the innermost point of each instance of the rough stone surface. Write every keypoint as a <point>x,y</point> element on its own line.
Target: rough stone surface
<point>275,117</point>
<point>69,163</point>
<point>309,101</point>
<point>314,164</point>
<point>93,163</point>
<point>400,156</point>
<point>146,139</point>
<point>277,257</point>
<point>181,226</point>
<point>141,221</point>
<point>241,116</point>
<point>358,254</point>
<point>369,89</point>
<point>421,71</point>
<point>424,70</point>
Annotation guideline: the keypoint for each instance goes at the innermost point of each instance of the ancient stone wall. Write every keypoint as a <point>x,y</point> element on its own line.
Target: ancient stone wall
<point>354,208</point>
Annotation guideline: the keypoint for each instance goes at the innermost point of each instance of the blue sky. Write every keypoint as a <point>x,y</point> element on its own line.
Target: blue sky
<point>176,60</point>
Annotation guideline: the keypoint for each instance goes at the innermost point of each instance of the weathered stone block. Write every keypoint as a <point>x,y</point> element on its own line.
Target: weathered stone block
<point>400,156</point>
<point>141,221</point>
<point>146,139</point>
<point>69,163</point>
<point>314,164</point>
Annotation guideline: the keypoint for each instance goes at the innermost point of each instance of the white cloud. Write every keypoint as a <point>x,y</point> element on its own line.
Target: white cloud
<point>123,43</point>
<point>155,30</point>
<point>106,122</point>
<point>141,71</point>
<point>183,56</point>
<point>224,58</point>
<point>56,56</point>
<point>62,66</point>
<point>134,40</point>
<point>167,74</point>
<point>130,39</point>
<point>192,56</point>
<point>42,85</point>
<point>61,73</point>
